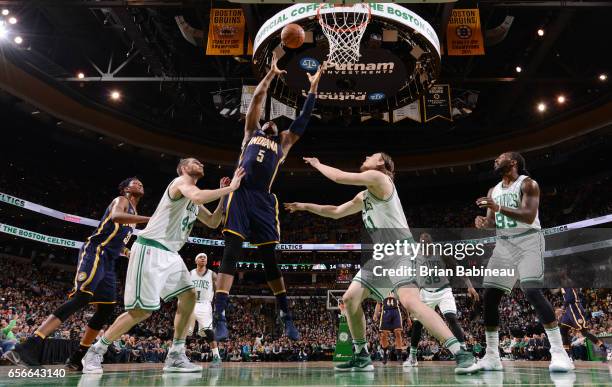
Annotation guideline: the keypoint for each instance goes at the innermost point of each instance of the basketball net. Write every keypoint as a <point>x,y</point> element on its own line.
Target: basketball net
<point>344,25</point>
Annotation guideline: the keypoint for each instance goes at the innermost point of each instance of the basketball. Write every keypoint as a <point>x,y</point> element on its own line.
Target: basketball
<point>292,35</point>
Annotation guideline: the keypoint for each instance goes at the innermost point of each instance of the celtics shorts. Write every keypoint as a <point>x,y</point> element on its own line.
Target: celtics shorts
<point>522,257</point>
<point>387,275</point>
<point>154,272</point>
<point>442,298</point>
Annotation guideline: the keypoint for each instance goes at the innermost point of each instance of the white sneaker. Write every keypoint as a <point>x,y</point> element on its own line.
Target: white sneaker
<point>489,362</point>
<point>411,362</point>
<point>92,361</point>
<point>178,362</point>
<point>560,361</point>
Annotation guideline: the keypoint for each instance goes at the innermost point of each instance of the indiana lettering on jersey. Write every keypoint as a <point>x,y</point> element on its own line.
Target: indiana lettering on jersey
<point>510,200</point>
<point>264,142</point>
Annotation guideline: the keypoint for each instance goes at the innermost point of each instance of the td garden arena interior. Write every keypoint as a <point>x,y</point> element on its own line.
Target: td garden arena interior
<point>155,228</point>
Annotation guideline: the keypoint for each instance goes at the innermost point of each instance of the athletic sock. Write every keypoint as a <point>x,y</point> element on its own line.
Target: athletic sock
<point>215,352</point>
<point>413,352</point>
<point>452,344</point>
<point>101,346</point>
<point>283,304</point>
<point>221,300</point>
<point>554,337</point>
<point>178,345</point>
<point>492,342</point>
<point>360,345</point>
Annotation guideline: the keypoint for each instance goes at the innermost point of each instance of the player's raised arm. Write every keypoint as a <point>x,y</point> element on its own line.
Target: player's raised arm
<point>202,196</point>
<point>119,212</point>
<point>366,178</point>
<point>213,220</point>
<point>259,99</point>
<point>298,126</point>
<point>527,211</point>
<point>328,211</point>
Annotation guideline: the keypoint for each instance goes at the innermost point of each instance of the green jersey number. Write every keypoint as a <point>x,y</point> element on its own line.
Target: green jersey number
<point>369,224</point>
<point>430,280</point>
<point>186,225</point>
<point>502,221</point>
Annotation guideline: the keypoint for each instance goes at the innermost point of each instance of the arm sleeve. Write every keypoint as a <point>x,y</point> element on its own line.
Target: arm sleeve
<point>299,125</point>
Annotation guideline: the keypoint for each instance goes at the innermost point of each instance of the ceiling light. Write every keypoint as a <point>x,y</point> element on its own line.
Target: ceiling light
<point>541,107</point>
<point>518,69</point>
<point>540,32</point>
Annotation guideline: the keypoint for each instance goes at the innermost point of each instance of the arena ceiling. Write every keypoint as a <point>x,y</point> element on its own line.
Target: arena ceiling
<point>167,83</point>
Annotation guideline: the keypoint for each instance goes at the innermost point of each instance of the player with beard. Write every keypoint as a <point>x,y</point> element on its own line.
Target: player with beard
<point>251,212</point>
<point>156,270</point>
<point>384,219</point>
<point>512,208</point>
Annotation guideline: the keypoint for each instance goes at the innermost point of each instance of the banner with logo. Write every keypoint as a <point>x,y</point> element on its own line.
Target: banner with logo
<point>412,111</point>
<point>437,103</point>
<point>463,34</point>
<point>226,32</point>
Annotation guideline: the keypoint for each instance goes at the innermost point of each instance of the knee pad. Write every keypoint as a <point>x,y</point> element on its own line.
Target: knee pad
<point>543,308</point>
<point>491,299</point>
<point>103,314</point>
<point>233,248</point>
<point>384,339</point>
<point>267,254</point>
<point>76,303</point>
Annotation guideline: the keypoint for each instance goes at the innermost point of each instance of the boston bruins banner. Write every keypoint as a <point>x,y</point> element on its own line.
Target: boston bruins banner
<point>226,32</point>
<point>463,35</point>
<point>437,103</point>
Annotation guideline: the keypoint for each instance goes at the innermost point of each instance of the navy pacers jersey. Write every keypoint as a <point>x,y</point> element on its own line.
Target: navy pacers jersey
<point>110,236</point>
<point>260,159</point>
<point>570,296</point>
<point>390,318</point>
<point>96,269</point>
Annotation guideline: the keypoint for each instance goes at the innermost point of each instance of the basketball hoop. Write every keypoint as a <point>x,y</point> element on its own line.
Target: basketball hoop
<point>344,25</point>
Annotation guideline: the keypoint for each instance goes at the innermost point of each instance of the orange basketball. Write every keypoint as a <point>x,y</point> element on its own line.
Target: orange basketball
<point>292,35</point>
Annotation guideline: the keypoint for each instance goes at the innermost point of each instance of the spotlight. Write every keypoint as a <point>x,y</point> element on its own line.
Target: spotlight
<point>18,39</point>
<point>603,77</point>
<point>12,20</point>
<point>540,32</point>
<point>541,107</point>
<point>80,75</point>
<point>518,69</point>
<point>561,99</point>
<point>5,12</point>
<point>3,31</point>
<point>115,95</point>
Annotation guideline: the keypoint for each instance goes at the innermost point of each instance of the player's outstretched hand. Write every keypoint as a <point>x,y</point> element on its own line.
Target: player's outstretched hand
<point>312,161</point>
<point>294,207</point>
<point>480,222</point>
<point>238,175</point>
<point>473,294</point>
<point>314,78</point>
<point>274,68</point>
<point>225,182</point>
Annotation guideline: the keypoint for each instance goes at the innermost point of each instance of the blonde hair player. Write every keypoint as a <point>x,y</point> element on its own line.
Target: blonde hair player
<point>380,208</point>
<point>512,208</point>
<point>156,270</point>
<point>203,280</point>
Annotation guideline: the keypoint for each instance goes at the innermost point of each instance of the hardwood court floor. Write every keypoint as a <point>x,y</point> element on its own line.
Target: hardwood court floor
<point>432,374</point>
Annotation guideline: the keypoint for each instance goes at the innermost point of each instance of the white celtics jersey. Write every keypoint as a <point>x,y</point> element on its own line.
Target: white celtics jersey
<point>387,214</point>
<point>511,197</point>
<point>203,286</point>
<point>172,221</point>
<point>430,282</point>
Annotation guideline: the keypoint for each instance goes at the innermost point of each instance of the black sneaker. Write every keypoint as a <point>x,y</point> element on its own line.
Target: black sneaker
<point>74,361</point>
<point>26,354</point>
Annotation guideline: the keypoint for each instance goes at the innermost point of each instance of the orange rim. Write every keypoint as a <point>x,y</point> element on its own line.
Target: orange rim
<point>352,29</point>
